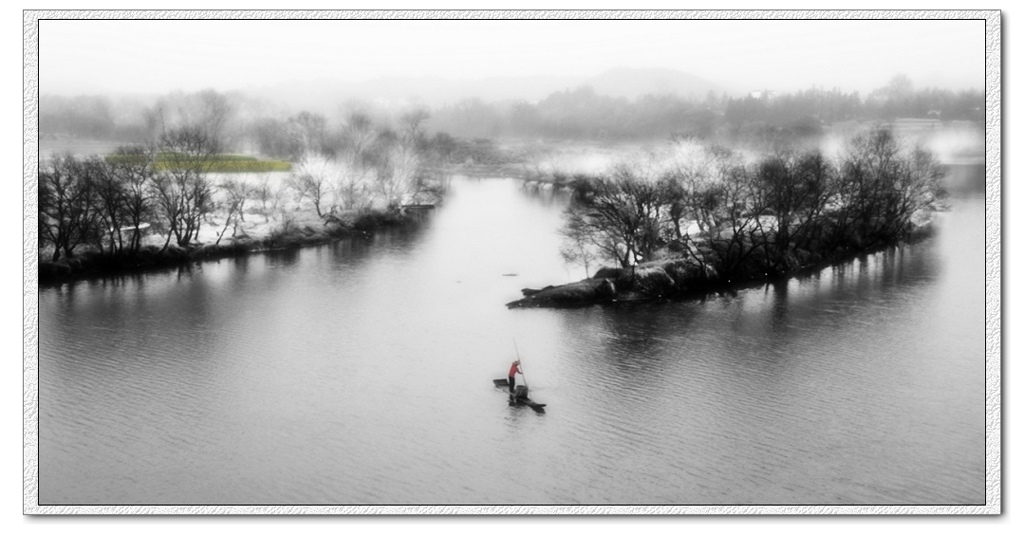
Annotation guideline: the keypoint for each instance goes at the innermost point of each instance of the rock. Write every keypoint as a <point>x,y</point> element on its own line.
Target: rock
<point>529,292</point>
<point>608,272</point>
<point>580,293</point>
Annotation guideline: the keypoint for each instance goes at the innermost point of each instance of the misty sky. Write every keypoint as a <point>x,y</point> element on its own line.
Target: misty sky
<point>159,56</point>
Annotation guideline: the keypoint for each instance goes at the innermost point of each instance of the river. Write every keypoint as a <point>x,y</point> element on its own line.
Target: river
<point>360,373</point>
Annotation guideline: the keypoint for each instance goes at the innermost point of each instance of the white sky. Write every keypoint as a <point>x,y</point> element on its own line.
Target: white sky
<point>158,56</point>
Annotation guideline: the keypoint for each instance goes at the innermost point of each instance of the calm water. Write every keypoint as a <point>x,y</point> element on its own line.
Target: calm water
<point>360,373</point>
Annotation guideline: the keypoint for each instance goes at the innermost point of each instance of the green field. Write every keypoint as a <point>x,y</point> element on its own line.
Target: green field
<point>217,163</point>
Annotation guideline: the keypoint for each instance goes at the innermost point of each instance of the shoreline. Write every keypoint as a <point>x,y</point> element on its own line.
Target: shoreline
<point>92,265</point>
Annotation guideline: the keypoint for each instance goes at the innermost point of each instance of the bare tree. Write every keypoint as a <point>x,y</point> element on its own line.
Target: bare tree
<point>110,197</point>
<point>66,215</point>
<point>412,123</point>
<point>813,181</point>
<point>360,135</point>
<point>133,168</point>
<point>578,246</point>
<point>269,195</point>
<point>237,192</point>
<point>182,188</point>
<point>310,179</point>
<point>444,147</point>
<point>350,186</point>
<point>276,138</point>
<point>620,215</point>
<point>872,170</point>
<point>208,111</point>
<point>167,200</point>
<point>310,131</point>
<point>397,180</point>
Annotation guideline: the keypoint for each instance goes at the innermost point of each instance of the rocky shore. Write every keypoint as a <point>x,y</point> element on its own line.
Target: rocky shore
<point>649,281</point>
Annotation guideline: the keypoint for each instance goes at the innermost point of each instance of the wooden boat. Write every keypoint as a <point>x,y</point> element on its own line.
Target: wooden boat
<point>521,395</point>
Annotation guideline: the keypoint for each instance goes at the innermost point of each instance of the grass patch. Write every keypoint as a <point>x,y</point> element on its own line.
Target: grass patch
<point>223,163</point>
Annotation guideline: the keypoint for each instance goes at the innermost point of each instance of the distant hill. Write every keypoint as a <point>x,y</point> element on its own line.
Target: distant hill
<point>632,83</point>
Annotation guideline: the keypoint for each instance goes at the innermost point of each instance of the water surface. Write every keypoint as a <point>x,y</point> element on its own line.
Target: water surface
<point>360,373</point>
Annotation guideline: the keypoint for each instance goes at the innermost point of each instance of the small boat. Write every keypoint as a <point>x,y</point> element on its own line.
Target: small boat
<point>521,395</point>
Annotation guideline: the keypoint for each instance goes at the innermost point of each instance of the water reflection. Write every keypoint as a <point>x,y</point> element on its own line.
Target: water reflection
<point>286,257</point>
<point>779,307</point>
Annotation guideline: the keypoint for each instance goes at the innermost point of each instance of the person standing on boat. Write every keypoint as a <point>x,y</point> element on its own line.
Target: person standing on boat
<point>512,377</point>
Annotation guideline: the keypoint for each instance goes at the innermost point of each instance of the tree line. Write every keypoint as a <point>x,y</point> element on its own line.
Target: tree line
<point>733,219</point>
<point>584,114</point>
<point>579,113</point>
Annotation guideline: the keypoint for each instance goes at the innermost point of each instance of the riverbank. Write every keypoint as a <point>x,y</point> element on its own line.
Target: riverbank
<point>678,278</point>
<point>295,231</point>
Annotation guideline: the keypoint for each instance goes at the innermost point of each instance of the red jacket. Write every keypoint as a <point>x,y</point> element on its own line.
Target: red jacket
<point>515,369</point>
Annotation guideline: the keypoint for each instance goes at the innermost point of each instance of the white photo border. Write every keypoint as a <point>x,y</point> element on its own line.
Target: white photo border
<point>993,286</point>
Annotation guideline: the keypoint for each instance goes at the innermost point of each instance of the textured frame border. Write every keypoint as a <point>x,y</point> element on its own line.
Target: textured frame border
<point>993,264</point>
